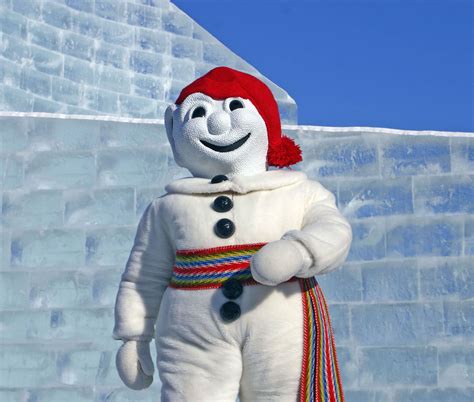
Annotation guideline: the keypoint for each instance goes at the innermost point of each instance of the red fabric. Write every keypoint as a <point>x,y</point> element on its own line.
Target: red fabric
<point>221,249</point>
<point>212,285</point>
<point>225,82</point>
<point>212,270</point>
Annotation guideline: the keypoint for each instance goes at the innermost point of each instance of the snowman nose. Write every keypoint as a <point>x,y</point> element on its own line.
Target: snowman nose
<point>218,123</point>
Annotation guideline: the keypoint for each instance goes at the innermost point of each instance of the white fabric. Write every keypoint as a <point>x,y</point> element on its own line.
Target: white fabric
<point>267,180</point>
<point>134,364</point>
<point>280,260</point>
<point>199,357</point>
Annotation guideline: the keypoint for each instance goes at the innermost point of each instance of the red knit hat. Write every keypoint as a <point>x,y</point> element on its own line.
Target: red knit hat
<point>225,82</point>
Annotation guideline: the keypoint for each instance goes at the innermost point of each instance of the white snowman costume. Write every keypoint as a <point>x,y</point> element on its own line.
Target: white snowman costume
<point>214,272</point>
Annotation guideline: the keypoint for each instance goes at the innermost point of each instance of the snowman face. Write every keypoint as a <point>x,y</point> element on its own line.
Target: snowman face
<point>211,137</point>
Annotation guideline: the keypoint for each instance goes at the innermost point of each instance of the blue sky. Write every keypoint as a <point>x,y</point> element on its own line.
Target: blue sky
<point>404,64</point>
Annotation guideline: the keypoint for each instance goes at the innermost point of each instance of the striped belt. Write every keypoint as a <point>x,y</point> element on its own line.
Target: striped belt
<point>212,268</point>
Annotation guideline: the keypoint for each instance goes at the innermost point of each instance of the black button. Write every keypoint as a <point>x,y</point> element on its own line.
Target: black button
<point>222,204</point>
<point>232,288</point>
<point>230,311</point>
<point>219,178</point>
<point>224,228</point>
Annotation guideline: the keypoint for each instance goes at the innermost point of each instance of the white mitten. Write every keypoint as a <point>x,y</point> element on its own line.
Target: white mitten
<point>134,364</point>
<point>278,261</point>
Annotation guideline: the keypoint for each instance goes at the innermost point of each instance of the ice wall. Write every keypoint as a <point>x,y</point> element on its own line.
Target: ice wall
<point>108,57</point>
<point>402,306</point>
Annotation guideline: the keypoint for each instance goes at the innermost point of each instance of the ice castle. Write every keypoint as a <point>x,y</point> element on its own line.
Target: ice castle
<point>83,151</point>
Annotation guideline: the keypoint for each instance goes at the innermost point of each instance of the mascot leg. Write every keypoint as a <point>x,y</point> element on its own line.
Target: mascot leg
<point>294,359</point>
<point>197,359</point>
<point>198,370</point>
<point>272,353</point>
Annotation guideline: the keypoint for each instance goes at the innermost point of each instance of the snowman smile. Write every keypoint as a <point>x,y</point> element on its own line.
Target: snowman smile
<point>226,148</point>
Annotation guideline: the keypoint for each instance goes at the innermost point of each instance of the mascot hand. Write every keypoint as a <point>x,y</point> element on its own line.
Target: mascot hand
<point>278,261</point>
<point>134,364</point>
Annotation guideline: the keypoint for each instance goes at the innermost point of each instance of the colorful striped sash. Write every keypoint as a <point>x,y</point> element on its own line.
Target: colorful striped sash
<point>320,377</point>
<point>210,268</point>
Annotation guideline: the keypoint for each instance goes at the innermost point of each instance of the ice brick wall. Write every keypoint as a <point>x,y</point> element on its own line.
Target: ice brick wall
<point>402,306</point>
<point>108,57</point>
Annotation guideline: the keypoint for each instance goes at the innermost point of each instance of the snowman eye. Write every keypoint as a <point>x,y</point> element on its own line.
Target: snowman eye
<point>198,112</point>
<point>235,104</point>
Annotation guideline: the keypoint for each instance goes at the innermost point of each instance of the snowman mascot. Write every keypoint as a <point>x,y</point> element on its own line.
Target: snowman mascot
<point>222,270</point>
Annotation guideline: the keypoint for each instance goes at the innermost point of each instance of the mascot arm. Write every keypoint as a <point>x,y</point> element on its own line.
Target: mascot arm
<point>146,276</point>
<point>325,237</point>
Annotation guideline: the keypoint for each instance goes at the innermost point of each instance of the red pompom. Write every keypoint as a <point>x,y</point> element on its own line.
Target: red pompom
<point>284,154</point>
